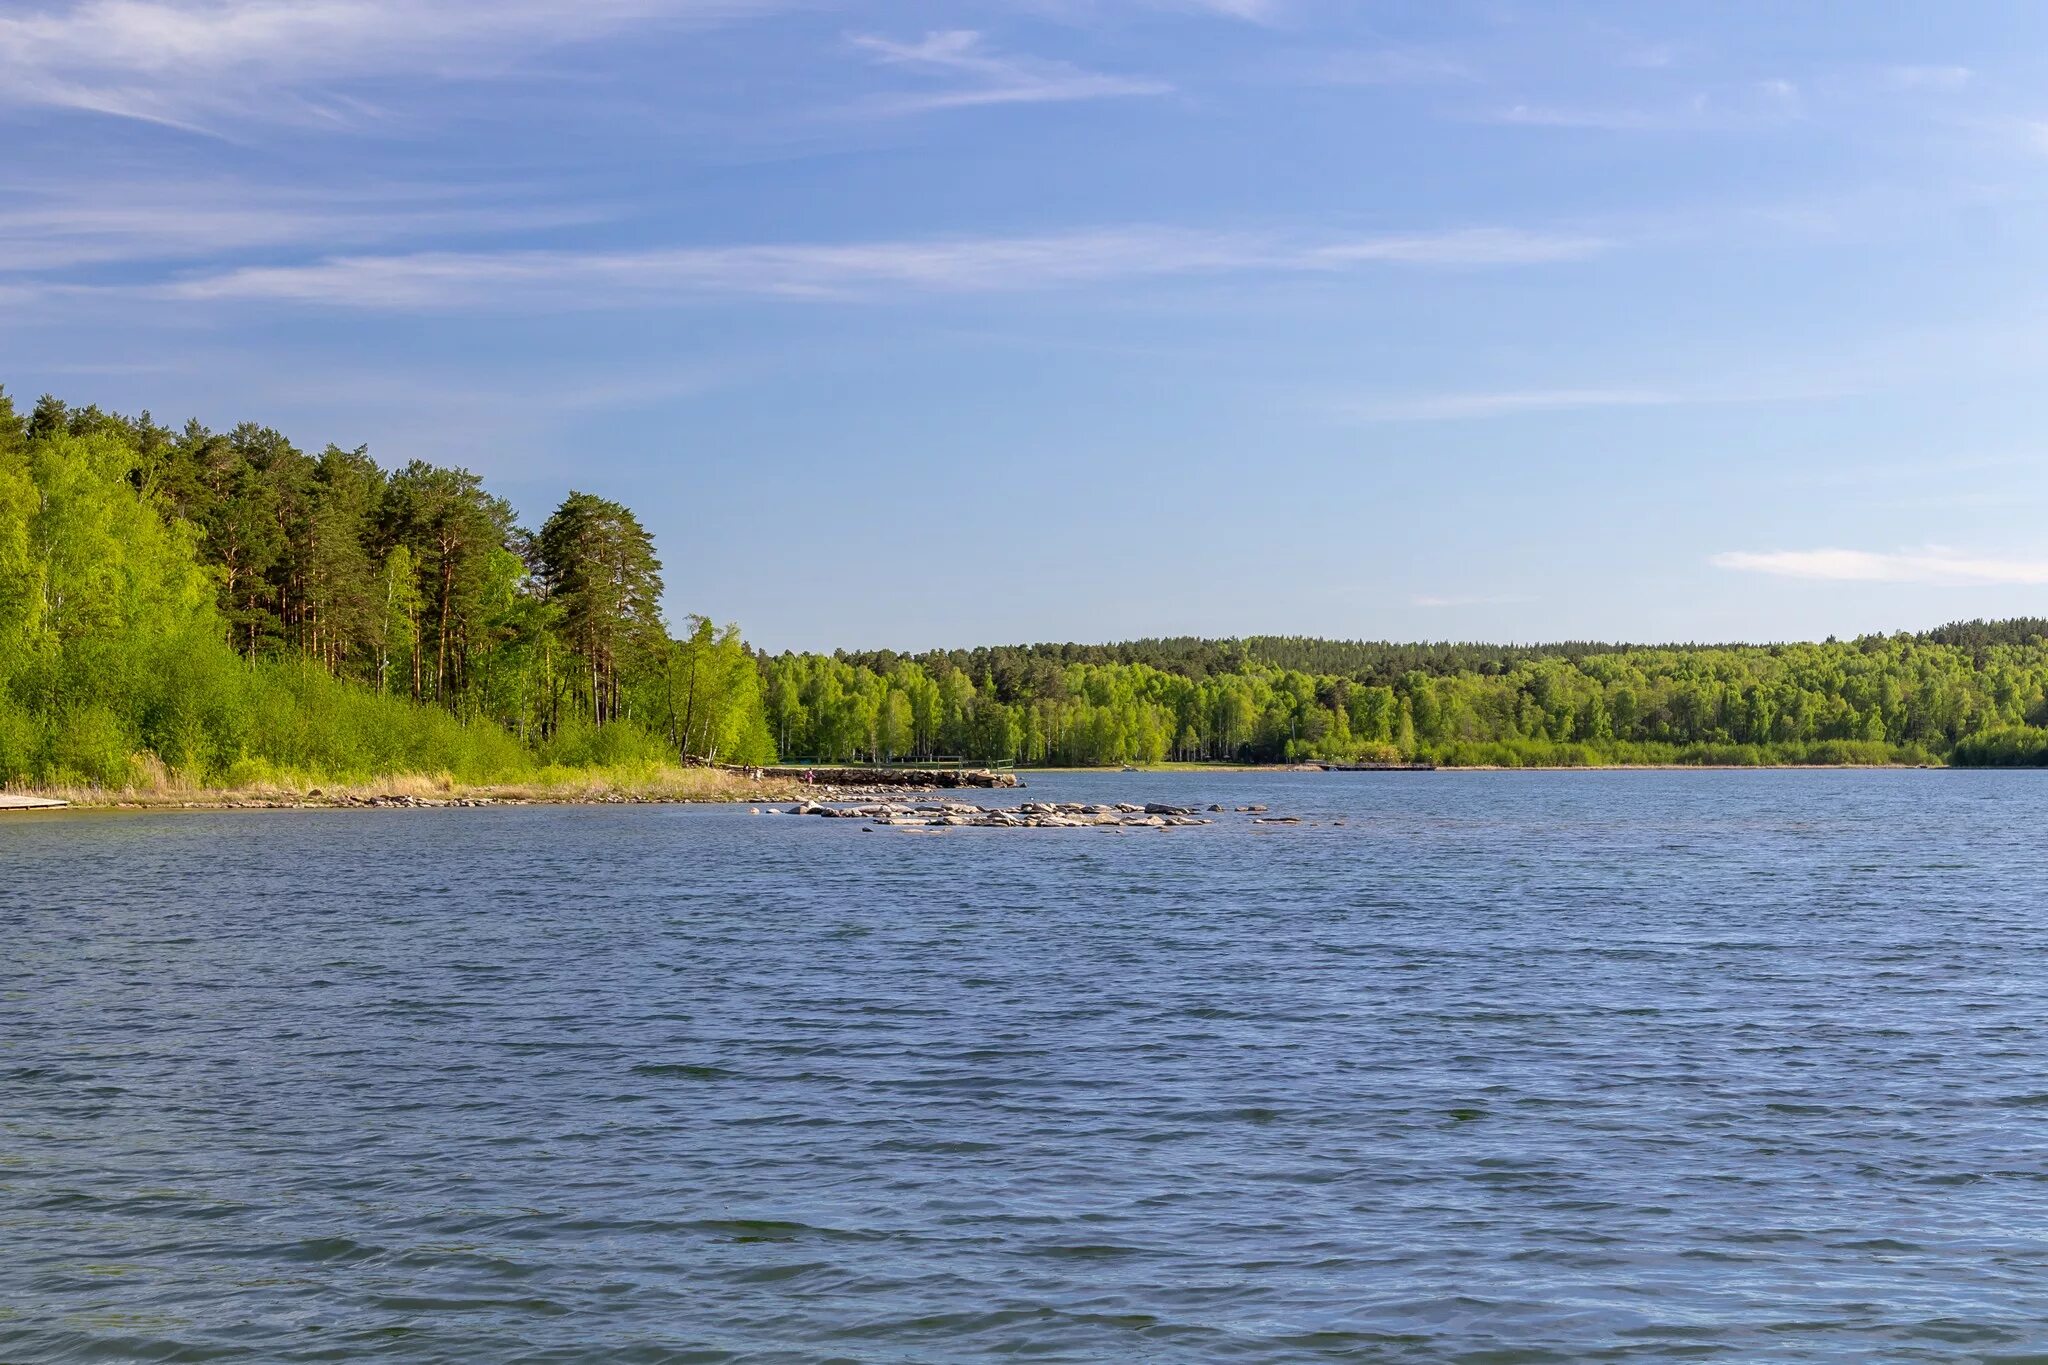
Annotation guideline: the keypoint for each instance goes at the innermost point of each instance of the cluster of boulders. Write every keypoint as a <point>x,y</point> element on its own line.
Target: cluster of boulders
<point>1030,815</point>
<point>409,802</point>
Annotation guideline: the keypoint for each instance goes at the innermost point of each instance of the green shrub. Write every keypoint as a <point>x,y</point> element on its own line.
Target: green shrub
<point>2016,746</point>
<point>21,741</point>
<point>89,745</point>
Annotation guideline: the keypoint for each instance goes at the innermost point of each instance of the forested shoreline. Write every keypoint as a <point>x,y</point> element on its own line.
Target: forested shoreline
<point>223,607</point>
<point>228,609</point>
<point>1972,693</point>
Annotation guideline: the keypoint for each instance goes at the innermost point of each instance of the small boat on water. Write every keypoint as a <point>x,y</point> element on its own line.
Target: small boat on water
<point>10,801</point>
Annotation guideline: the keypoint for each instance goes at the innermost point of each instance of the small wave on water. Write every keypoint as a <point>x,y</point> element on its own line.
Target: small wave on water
<point>1501,1067</point>
<point>685,1071</point>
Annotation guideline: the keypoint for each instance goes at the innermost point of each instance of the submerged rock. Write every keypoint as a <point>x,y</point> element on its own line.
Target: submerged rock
<point>936,815</point>
<point>1028,815</point>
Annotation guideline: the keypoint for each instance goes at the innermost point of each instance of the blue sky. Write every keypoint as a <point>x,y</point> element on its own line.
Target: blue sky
<point>933,324</point>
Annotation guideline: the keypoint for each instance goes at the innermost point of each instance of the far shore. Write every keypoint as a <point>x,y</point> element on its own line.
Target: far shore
<point>676,786</point>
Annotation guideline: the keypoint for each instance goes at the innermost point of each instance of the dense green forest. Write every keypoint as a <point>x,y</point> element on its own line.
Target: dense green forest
<point>228,608</point>
<point>225,607</point>
<point>1880,699</point>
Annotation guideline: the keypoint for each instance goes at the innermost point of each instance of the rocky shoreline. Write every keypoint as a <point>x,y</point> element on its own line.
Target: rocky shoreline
<point>774,789</point>
<point>880,806</point>
<point>1029,815</point>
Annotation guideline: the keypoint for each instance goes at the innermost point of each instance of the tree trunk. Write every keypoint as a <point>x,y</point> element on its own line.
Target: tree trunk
<point>441,655</point>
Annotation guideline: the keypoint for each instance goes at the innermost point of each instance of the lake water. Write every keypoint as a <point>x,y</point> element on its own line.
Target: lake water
<point>1502,1067</point>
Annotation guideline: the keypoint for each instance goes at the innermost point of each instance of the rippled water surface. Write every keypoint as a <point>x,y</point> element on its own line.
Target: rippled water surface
<point>1508,1067</point>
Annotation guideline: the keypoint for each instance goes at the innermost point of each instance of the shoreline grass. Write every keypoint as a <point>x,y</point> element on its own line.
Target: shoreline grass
<point>156,789</point>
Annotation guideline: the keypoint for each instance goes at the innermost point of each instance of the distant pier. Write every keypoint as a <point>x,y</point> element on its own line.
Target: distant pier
<point>10,801</point>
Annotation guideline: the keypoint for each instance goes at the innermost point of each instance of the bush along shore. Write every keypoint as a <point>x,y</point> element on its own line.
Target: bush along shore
<point>195,615</point>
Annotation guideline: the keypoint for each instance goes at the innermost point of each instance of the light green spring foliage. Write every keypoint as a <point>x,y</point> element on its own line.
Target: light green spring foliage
<point>108,636</point>
<point>1878,700</point>
<point>112,650</point>
<point>230,611</point>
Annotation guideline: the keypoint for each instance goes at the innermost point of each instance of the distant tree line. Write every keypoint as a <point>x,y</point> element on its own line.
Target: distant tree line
<point>224,604</point>
<point>1880,699</point>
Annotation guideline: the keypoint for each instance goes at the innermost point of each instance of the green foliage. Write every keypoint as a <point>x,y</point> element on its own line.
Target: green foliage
<point>222,604</point>
<point>224,607</point>
<point>2013,746</point>
<point>598,566</point>
<point>622,744</point>
<point>1901,699</point>
<point>711,695</point>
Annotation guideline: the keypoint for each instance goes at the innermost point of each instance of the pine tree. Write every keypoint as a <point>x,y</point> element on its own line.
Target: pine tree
<point>597,565</point>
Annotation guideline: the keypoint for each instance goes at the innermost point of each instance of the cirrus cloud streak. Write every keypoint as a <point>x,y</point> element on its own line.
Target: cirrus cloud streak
<point>623,279</point>
<point>194,63</point>
<point>990,77</point>
<point>1934,566</point>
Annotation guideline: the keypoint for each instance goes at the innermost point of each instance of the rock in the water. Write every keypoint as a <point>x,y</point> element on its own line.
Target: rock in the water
<point>1028,815</point>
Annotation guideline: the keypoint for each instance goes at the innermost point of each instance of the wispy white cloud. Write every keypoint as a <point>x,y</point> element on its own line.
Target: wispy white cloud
<point>1929,78</point>
<point>1933,565</point>
<point>990,77</point>
<point>1088,12</point>
<point>101,222</point>
<point>1761,105</point>
<point>1615,118</point>
<point>1779,91</point>
<point>567,280</point>
<point>193,63</point>
<point>1380,66</point>
<point>1254,11</point>
<point>1449,407</point>
<point>1484,600</point>
<point>1471,246</point>
<point>1473,405</point>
